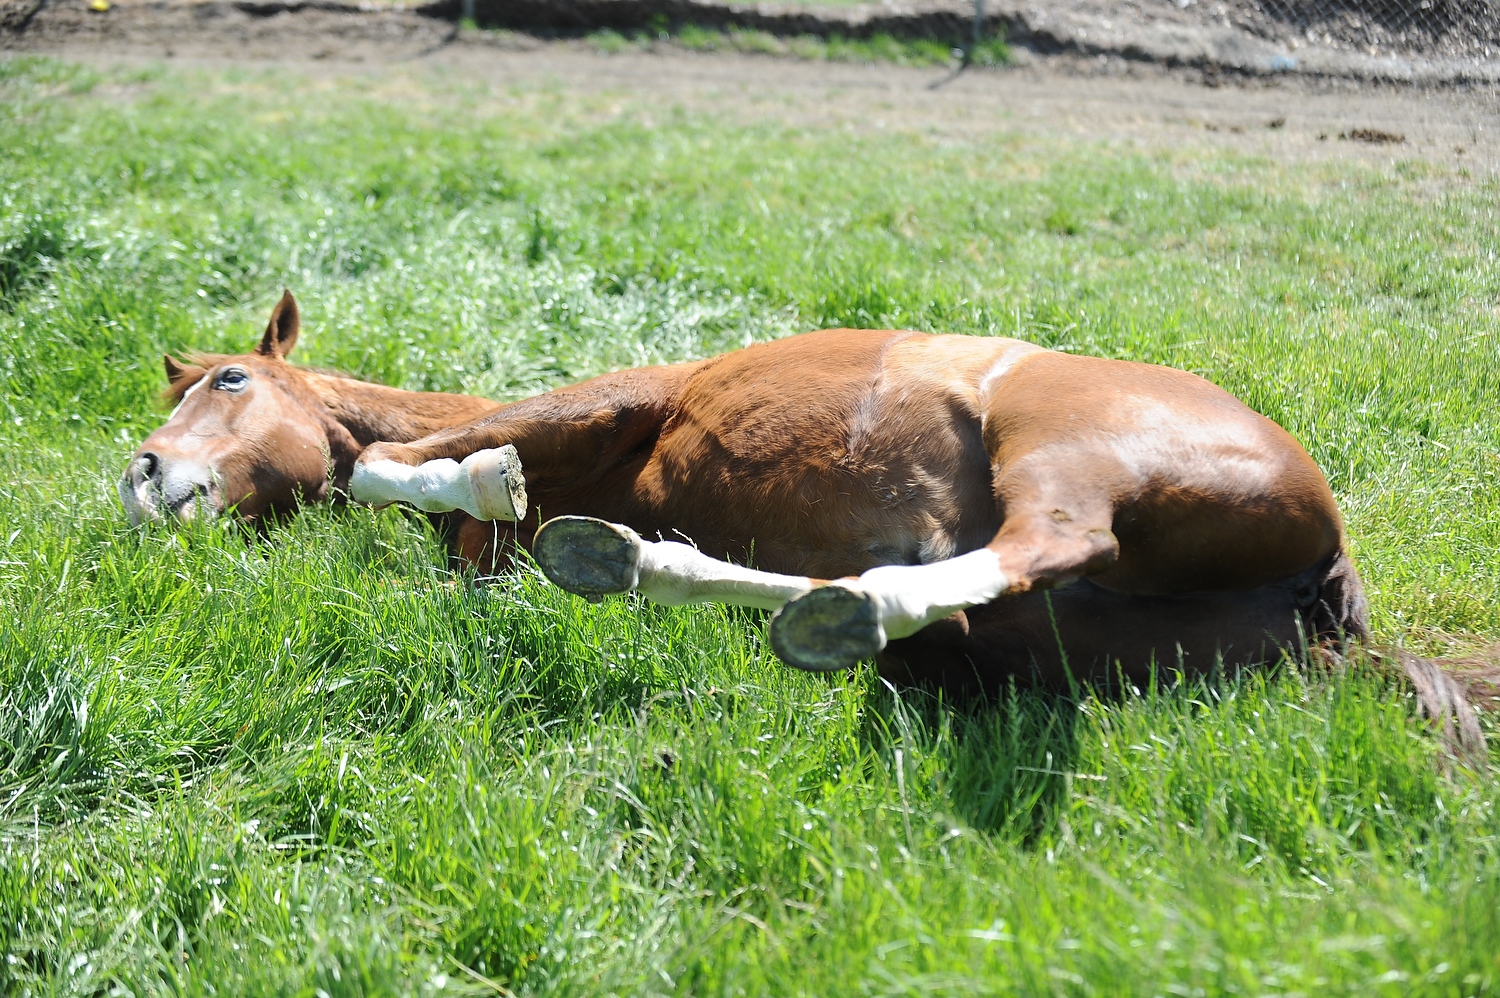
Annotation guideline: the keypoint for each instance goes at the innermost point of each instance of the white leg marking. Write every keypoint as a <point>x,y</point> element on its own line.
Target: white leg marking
<point>487,484</point>
<point>909,597</point>
<point>675,574</point>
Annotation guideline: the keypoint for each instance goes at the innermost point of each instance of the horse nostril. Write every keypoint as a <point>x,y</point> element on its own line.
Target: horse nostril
<point>149,466</point>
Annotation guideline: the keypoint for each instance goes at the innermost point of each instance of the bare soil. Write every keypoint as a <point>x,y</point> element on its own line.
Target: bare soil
<point>1071,96</point>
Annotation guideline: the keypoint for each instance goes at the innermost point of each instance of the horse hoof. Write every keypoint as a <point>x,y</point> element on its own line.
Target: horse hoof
<point>827,629</point>
<point>588,557</point>
<point>498,485</point>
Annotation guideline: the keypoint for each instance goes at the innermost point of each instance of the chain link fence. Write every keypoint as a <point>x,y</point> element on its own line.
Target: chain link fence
<point>1428,41</point>
<point>1437,29</point>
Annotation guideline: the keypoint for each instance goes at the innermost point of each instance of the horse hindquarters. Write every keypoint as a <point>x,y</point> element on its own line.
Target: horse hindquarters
<point>1085,633</point>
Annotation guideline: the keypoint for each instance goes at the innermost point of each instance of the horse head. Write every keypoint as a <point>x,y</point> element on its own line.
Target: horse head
<point>248,435</point>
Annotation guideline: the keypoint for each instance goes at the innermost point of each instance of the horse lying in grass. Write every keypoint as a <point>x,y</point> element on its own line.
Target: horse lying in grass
<point>962,509</point>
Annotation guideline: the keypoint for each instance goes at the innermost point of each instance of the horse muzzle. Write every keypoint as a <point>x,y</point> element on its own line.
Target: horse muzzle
<point>153,490</point>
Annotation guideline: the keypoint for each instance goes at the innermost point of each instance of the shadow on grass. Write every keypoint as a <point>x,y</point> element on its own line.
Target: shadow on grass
<point>1003,762</point>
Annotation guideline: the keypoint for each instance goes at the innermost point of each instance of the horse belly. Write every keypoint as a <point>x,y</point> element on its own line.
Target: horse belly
<point>823,471</point>
<point>827,520</point>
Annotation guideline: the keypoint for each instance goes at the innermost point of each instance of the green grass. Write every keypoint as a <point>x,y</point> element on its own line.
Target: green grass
<point>836,48</point>
<point>316,762</point>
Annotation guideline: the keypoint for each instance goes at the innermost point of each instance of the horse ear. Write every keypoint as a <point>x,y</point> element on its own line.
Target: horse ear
<point>180,377</point>
<point>281,331</point>
<point>174,368</point>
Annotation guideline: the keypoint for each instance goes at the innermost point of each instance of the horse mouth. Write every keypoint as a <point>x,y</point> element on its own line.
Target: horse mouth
<point>194,503</point>
<point>146,502</point>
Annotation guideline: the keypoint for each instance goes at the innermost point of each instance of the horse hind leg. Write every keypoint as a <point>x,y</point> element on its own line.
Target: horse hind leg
<point>823,626</point>
<point>832,626</point>
<point>1087,633</point>
<point>593,558</point>
<point>835,625</point>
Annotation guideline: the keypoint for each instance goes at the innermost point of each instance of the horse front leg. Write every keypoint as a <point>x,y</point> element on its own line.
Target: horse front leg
<point>570,435</point>
<point>487,484</point>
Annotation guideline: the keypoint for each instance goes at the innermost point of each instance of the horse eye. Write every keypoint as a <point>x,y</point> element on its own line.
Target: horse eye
<point>232,380</point>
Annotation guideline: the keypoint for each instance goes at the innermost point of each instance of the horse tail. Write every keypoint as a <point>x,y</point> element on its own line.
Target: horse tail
<point>1442,696</point>
<point>1339,615</point>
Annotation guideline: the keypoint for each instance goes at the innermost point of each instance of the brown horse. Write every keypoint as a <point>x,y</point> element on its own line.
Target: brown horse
<point>963,509</point>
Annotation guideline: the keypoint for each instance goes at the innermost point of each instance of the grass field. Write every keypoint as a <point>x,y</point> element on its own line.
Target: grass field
<point>881,48</point>
<point>312,764</point>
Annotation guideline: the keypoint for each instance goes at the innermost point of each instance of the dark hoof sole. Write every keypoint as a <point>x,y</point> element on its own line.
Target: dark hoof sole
<point>827,629</point>
<point>588,557</point>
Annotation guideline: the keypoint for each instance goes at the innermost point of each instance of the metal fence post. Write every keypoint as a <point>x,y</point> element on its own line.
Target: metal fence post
<point>978,29</point>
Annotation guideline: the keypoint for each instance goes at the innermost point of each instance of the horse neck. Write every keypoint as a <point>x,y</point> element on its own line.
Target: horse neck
<point>375,412</point>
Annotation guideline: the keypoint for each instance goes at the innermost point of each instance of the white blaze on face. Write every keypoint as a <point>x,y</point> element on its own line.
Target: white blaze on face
<point>135,497</point>
<point>185,396</point>
<point>174,488</point>
<point>185,490</point>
